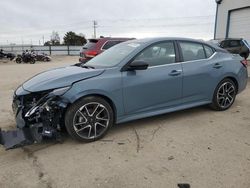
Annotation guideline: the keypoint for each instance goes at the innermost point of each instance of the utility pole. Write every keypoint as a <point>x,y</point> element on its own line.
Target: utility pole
<point>22,43</point>
<point>43,39</point>
<point>94,26</point>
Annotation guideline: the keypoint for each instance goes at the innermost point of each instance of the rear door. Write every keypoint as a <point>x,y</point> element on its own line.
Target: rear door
<point>200,71</point>
<point>157,87</point>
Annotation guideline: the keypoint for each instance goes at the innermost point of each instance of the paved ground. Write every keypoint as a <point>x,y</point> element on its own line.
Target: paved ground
<point>197,146</point>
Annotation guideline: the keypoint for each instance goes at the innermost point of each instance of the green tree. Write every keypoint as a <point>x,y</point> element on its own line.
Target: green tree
<point>71,38</point>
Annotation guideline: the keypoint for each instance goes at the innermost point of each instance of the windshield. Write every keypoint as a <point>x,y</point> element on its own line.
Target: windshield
<point>247,43</point>
<point>113,56</point>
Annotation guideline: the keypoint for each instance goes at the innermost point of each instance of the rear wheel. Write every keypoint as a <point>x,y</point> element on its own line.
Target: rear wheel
<point>224,95</point>
<point>32,61</point>
<point>89,119</point>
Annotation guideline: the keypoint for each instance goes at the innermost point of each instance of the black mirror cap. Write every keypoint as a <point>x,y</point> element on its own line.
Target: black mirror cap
<point>137,65</point>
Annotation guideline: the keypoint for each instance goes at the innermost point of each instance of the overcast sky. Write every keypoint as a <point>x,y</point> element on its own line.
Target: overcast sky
<point>30,20</point>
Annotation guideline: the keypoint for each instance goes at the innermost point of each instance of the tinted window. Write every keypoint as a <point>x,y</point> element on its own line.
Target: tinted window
<point>224,44</point>
<point>90,44</point>
<point>109,44</point>
<point>158,54</point>
<point>234,43</point>
<point>192,51</point>
<point>209,51</point>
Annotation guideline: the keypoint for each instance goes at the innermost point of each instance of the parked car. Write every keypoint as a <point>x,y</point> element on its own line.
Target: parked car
<point>236,46</point>
<point>96,46</point>
<point>132,80</point>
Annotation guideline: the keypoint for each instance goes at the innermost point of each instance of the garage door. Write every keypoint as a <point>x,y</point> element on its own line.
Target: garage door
<point>239,24</point>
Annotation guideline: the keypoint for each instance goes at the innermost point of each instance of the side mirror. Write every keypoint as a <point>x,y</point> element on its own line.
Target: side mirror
<point>137,65</point>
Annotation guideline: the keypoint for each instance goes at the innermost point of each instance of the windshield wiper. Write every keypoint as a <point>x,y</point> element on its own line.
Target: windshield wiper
<point>87,66</point>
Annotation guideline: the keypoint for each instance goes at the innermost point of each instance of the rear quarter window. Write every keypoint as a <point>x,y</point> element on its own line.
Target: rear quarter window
<point>209,51</point>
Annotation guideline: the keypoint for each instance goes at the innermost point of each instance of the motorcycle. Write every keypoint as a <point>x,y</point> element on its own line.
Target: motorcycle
<point>42,57</point>
<point>9,56</point>
<point>26,58</point>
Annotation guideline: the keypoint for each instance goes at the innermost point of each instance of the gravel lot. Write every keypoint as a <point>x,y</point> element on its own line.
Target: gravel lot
<point>198,146</point>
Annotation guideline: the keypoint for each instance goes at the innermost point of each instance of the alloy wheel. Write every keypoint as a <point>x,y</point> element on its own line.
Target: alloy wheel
<point>91,120</point>
<point>226,94</point>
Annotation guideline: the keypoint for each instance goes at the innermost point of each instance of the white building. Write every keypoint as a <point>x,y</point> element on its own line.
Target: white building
<point>232,19</point>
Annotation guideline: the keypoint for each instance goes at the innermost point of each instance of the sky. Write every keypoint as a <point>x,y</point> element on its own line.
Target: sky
<point>32,21</point>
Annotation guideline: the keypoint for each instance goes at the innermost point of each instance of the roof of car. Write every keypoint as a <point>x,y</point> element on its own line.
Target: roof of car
<point>111,38</point>
<point>166,38</point>
<point>159,39</point>
<point>232,39</point>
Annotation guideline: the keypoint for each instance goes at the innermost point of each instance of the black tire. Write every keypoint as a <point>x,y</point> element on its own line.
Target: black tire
<point>18,60</point>
<point>219,98</point>
<point>77,112</point>
<point>32,61</point>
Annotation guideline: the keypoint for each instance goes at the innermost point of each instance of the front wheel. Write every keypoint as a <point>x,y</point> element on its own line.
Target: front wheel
<point>224,95</point>
<point>89,119</point>
<point>18,60</point>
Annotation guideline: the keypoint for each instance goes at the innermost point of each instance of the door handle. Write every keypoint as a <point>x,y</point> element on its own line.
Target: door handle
<point>217,65</point>
<point>175,72</point>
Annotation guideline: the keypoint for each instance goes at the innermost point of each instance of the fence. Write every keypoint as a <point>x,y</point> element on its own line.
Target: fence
<point>51,50</point>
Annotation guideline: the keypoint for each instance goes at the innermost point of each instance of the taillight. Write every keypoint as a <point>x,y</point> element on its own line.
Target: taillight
<point>244,63</point>
<point>90,53</point>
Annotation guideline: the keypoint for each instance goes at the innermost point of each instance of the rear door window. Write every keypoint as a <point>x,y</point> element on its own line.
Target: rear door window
<point>192,51</point>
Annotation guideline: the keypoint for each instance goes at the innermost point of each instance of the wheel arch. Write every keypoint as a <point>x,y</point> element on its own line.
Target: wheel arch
<point>105,97</point>
<point>234,80</point>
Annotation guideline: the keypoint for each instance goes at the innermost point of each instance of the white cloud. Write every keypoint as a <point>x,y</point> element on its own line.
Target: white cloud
<point>31,19</point>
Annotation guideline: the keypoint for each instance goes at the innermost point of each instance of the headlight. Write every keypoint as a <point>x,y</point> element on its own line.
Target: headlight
<point>44,101</point>
<point>60,91</point>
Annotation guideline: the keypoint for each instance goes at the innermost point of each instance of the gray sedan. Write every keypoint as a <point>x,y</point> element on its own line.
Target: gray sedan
<point>132,80</point>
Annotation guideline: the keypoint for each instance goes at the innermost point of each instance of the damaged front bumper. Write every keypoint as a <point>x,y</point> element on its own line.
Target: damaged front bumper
<point>15,138</point>
<point>38,116</point>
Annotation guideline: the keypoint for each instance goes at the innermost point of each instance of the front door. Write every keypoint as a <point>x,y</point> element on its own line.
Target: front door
<point>157,87</point>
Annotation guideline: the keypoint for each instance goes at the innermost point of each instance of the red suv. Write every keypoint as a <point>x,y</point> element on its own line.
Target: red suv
<point>96,46</point>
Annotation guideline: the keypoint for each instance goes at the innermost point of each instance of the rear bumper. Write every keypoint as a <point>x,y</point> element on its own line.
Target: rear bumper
<point>243,79</point>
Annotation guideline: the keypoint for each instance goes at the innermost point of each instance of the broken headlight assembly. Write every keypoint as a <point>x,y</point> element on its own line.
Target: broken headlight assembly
<point>38,116</point>
<point>46,101</point>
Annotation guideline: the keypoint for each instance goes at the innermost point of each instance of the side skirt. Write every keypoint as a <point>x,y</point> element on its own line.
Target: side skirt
<point>131,117</point>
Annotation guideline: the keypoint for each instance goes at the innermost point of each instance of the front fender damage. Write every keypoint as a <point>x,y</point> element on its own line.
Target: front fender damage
<point>43,119</point>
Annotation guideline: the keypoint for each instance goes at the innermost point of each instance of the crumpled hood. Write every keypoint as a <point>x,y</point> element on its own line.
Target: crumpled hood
<point>59,77</point>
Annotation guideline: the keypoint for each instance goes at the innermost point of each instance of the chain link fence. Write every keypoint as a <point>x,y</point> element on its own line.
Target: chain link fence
<point>51,50</point>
